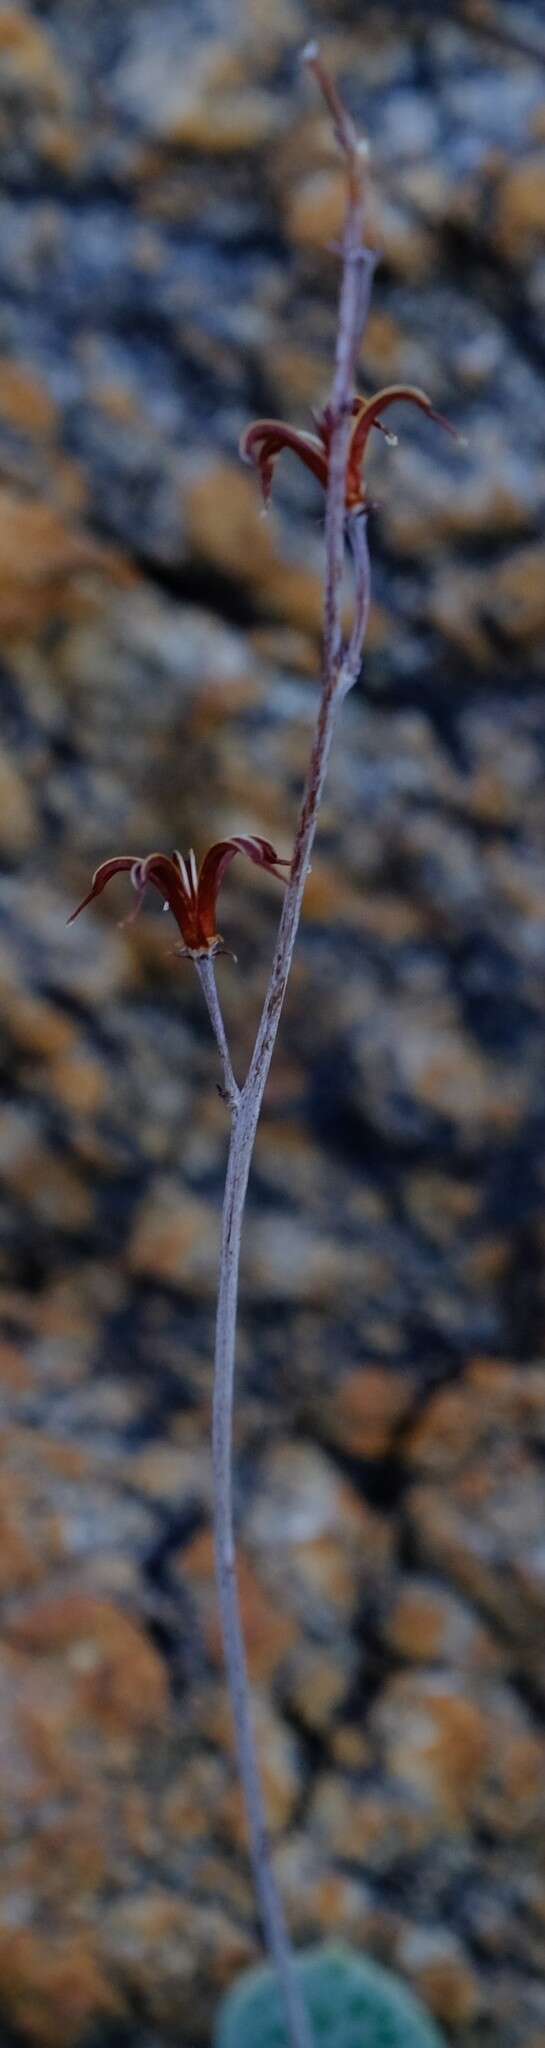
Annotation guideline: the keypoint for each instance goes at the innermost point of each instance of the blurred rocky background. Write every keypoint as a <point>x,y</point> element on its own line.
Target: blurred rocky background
<point>170,198</point>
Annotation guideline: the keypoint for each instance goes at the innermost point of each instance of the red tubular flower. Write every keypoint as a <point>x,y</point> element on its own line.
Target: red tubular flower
<point>265,440</point>
<point>191,896</point>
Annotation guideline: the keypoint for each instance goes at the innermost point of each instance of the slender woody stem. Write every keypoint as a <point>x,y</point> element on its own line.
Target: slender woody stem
<point>207,978</point>
<point>357,540</point>
<point>269,1900</point>
<point>340,669</point>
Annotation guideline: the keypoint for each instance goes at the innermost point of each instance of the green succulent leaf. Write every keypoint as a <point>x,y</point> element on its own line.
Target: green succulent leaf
<point>351,2003</point>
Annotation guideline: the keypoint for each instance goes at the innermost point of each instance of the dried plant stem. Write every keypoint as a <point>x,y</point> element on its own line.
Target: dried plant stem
<point>270,1904</point>
<point>340,669</point>
<point>207,978</point>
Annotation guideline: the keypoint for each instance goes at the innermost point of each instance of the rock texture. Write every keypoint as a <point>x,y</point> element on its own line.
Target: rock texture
<point>170,197</point>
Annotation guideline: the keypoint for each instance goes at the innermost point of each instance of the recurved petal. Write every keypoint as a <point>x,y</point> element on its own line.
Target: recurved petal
<point>216,863</point>
<point>164,874</point>
<point>368,413</point>
<point>162,870</point>
<point>157,869</point>
<point>260,852</point>
<point>265,440</point>
<point>120,864</point>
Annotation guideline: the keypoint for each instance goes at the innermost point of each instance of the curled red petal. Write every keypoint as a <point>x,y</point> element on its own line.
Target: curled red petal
<point>165,875</point>
<point>121,863</point>
<point>265,440</point>
<point>163,872</point>
<point>215,865</point>
<point>260,852</point>
<point>368,412</point>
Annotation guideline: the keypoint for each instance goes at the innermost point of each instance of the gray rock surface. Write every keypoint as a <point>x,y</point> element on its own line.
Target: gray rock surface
<point>170,195</point>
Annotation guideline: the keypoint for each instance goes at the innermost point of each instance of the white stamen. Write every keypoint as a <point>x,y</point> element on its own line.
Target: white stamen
<point>193,870</point>
<point>183,872</point>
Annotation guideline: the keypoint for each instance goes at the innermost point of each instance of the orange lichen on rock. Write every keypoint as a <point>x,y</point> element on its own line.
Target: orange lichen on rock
<point>53,1986</point>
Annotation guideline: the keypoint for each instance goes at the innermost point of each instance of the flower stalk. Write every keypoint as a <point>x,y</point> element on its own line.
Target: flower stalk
<point>335,454</point>
<point>340,670</point>
<point>207,977</point>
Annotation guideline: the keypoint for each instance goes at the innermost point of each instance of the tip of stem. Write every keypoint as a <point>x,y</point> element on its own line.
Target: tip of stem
<point>311,52</point>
